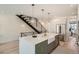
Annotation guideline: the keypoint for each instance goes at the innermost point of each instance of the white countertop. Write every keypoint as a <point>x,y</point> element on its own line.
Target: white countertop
<point>40,38</point>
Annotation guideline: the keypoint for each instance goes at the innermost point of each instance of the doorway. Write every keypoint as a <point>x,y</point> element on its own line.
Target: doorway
<point>60,28</point>
<point>72,29</point>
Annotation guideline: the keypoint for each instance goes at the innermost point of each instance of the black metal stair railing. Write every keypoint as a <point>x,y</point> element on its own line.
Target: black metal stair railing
<point>39,26</point>
<point>33,23</point>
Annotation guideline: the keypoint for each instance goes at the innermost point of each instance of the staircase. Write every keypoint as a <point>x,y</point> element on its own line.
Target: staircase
<point>33,23</point>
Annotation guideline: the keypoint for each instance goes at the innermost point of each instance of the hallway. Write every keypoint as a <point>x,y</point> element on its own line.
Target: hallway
<point>68,47</point>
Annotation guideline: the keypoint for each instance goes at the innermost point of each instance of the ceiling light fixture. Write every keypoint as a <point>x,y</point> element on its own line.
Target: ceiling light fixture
<point>42,13</point>
<point>33,9</point>
<point>48,16</point>
<point>32,20</point>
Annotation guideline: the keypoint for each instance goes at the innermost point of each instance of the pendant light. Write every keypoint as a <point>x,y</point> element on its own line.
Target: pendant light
<point>48,15</point>
<point>33,20</point>
<point>42,18</point>
<point>33,10</point>
<point>42,15</point>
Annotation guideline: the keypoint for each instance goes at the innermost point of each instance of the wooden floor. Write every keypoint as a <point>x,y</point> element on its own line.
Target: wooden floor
<point>64,48</point>
<point>10,48</point>
<point>69,47</point>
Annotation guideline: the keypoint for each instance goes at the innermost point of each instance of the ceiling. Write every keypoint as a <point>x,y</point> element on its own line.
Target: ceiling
<point>55,10</point>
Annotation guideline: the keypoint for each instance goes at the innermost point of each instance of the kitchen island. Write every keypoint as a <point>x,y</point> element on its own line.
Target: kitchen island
<point>41,44</point>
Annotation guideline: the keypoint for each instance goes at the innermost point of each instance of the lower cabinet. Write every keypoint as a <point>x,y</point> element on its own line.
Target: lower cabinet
<point>53,45</point>
<point>61,37</point>
<point>45,48</point>
<point>41,48</point>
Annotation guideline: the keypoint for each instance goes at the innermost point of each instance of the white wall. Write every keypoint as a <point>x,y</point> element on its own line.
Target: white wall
<point>52,24</point>
<point>11,27</point>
